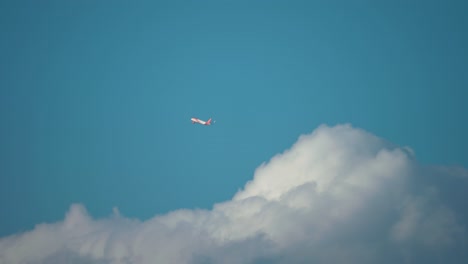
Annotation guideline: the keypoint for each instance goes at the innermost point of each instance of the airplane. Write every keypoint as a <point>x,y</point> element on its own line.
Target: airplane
<point>199,121</point>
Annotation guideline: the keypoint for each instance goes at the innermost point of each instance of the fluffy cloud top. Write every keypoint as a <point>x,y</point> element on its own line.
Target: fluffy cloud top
<point>338,195</point>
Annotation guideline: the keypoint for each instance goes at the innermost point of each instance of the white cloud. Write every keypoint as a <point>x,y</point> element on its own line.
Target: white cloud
<point>428,221</point>
<point>339,195</point>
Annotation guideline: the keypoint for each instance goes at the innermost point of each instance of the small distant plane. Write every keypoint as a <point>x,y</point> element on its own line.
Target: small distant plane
<point>199,121</point>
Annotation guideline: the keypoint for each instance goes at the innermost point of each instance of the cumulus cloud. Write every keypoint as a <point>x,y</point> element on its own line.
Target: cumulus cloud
<point>338,195</point>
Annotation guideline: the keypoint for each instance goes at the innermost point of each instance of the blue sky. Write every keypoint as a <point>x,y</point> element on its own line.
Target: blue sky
<point>96,97</point>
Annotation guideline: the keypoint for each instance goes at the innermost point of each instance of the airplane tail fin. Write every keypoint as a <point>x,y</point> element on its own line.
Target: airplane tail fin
<point>209,121</point>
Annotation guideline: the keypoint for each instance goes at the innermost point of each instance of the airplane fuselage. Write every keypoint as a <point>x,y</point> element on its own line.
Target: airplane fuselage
<point>199,121</point>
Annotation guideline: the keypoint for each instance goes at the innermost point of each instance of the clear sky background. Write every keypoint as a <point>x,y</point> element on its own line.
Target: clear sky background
<point>96,96</point>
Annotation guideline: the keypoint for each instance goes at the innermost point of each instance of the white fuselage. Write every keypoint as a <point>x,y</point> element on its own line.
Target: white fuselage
<point>196,120</point>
